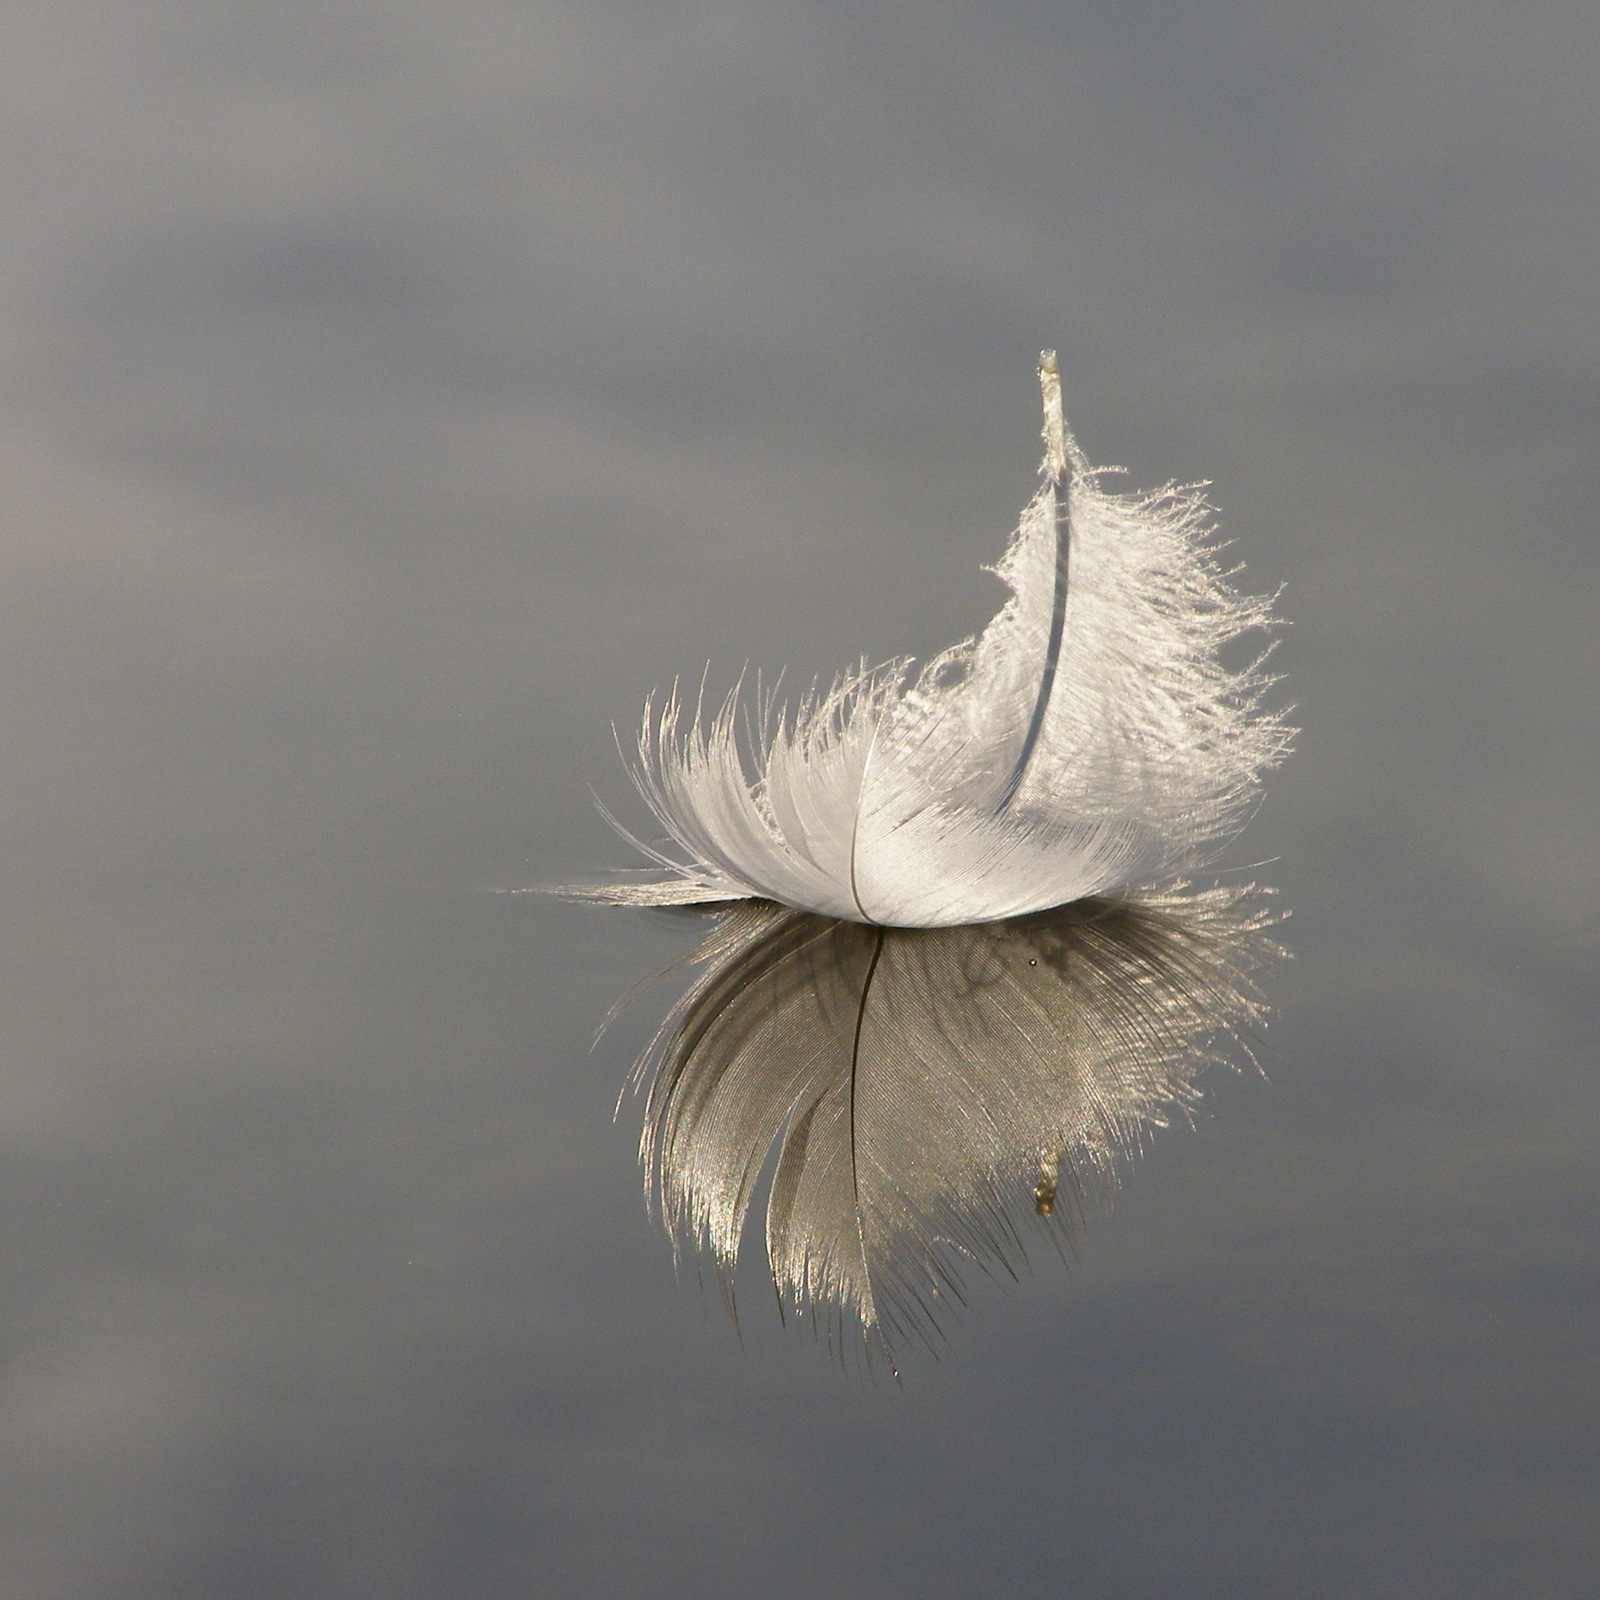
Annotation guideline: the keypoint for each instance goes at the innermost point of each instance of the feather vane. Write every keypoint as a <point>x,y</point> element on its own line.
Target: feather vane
<point>1089,740</point>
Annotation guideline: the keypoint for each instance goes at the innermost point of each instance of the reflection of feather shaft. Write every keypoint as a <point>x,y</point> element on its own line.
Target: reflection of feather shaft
<point>910,1078</point>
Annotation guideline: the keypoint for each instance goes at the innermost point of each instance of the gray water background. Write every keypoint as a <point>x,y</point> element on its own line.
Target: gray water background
<point>390,394</point>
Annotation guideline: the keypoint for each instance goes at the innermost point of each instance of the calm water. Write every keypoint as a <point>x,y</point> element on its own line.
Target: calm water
<point>392,396</point>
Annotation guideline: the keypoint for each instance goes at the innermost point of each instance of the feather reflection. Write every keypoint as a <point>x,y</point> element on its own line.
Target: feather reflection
<point>927,1091</point>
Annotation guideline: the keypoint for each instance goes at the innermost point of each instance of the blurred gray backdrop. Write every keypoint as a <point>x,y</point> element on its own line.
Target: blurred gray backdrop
<point>391,393</point>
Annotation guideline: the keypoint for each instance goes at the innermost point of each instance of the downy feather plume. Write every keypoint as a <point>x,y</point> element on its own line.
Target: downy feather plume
<point>953,965</point>
<point>1088,741</point>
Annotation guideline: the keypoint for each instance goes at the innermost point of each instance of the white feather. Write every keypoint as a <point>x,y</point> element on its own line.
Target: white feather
<point>1089,740</point>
